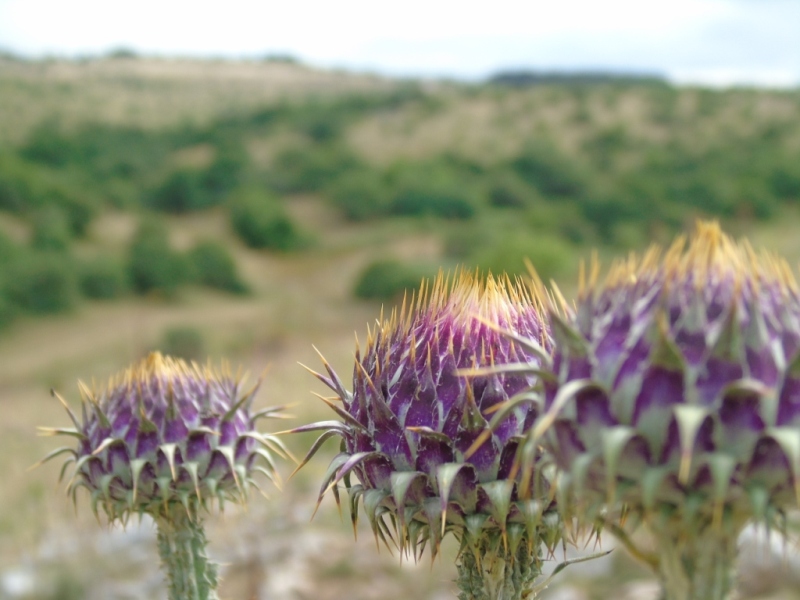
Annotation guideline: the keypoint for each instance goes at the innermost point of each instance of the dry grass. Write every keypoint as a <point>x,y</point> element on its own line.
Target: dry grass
<point>492,124</point>
<point>154,93</point>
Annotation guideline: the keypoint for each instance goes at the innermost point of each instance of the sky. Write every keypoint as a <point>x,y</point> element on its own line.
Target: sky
<point>715,42</point>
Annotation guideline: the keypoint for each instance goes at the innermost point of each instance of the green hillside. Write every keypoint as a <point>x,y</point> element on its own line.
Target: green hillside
<point>496,173</point>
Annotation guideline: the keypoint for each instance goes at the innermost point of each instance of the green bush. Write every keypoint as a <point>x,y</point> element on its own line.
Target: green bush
<point>603,145</point>
<point>606,211</point>
<point>8,249</point>
<point>153,266</point>
<point>226,171</point>
<point>213,266</point>
<point>104,151</point>
<point>183,342</point>
<point>435,189</point>
<point>79,205</point>
<point>360,194</point>
<point>549,255</point>
<point>50,230</point>
<point>388,279</point>
<point>543,167</point>
<point>48,144</point>
<point>8,253</point>
<point>26,187</point>
<point>10,196</point>
<point>7,310</point>
<point>182,192</point>
<point>260,220</point>
<point>40,282</point>
<point>102,278</point>
<point>562,219</point>
<point>421,199</point>
<point>785,181</point>
<point>310,168</point>
<point>507,190</point>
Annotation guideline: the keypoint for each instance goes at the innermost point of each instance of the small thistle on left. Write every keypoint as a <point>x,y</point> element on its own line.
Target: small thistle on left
<point>167,438</point>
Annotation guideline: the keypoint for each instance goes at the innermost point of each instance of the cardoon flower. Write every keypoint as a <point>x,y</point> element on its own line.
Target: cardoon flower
<point>168,439</point>
<point>675,402</point>
<point>412,416</point>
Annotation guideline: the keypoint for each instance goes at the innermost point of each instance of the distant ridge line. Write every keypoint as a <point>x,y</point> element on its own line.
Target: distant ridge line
<point>524,78</point>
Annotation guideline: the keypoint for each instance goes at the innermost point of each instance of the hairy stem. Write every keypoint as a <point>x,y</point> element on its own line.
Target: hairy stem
<point>697,566</point>
<point>491,572</point>
<point>182,547</point>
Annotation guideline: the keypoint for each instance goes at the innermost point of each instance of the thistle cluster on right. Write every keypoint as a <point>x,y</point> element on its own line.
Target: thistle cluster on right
<point>673,400</point>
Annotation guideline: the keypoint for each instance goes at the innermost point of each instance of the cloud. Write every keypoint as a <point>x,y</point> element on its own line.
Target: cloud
<point>746,39</point>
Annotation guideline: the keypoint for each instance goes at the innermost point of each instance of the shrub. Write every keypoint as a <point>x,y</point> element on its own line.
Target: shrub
<point>435,189</point>
<point>7,310</point>
<point>605,144</point>
<point>105,151</point>
<point>785,181</point>
<point>183,342</point>
<point>47,144</point>
<point>388,279</point>
<point>549,255</point>
<point>181,192</point>
<point>152,263</point>
<point>423,199</point>
<point>213,266</point>
<point>360,195</point>
<point>225,173</point>
<point>26,187</point>
<point>40,282</point>
<point>8,249</point>
<point>102,278</point>
<point>260,220</point>
<point>10,195</point>
<point>310,168</point>
<point>50,230</point>
<point>543,167</point>
<point>507,190</point>
<point>78,205</point>
<point>563,220</point>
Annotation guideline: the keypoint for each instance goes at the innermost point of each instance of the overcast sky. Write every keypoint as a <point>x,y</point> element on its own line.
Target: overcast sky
<point>710,41</point>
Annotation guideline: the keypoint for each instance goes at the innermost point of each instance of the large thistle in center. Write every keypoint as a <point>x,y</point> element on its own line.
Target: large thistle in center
<point>424,391</point>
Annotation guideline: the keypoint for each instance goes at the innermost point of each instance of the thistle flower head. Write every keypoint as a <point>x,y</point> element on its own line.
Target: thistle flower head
<point>413,415</point>
<point>676,388</point>
<point>162,433</point>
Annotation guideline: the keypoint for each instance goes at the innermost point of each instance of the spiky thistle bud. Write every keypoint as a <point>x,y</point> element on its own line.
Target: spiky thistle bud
<point>675,401</point>
<point>167,438</point>
<point>412,416</point>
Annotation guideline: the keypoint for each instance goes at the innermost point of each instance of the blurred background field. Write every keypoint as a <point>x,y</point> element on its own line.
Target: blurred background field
<point>250,209</point>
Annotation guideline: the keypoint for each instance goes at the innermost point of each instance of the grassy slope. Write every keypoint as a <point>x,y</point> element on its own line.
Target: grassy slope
<point>154,93</point>
<point>299,299</point>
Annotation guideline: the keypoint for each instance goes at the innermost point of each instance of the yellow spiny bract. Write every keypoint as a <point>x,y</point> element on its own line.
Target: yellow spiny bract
<point>709,254</point>
<point>462,299</point>
<point>156,367</point>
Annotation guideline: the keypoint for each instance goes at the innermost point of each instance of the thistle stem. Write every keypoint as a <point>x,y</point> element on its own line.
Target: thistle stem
<point>182,547</point>
<point>698,566</point>
<point>490,572</point>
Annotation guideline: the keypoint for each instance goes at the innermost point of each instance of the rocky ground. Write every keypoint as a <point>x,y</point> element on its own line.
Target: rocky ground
<point>283,557</point>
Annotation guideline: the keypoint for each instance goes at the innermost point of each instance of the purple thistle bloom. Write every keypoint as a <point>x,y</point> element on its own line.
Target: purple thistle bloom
<point>675,399</point>
<point>423,395</point>
<point>164,433</point>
